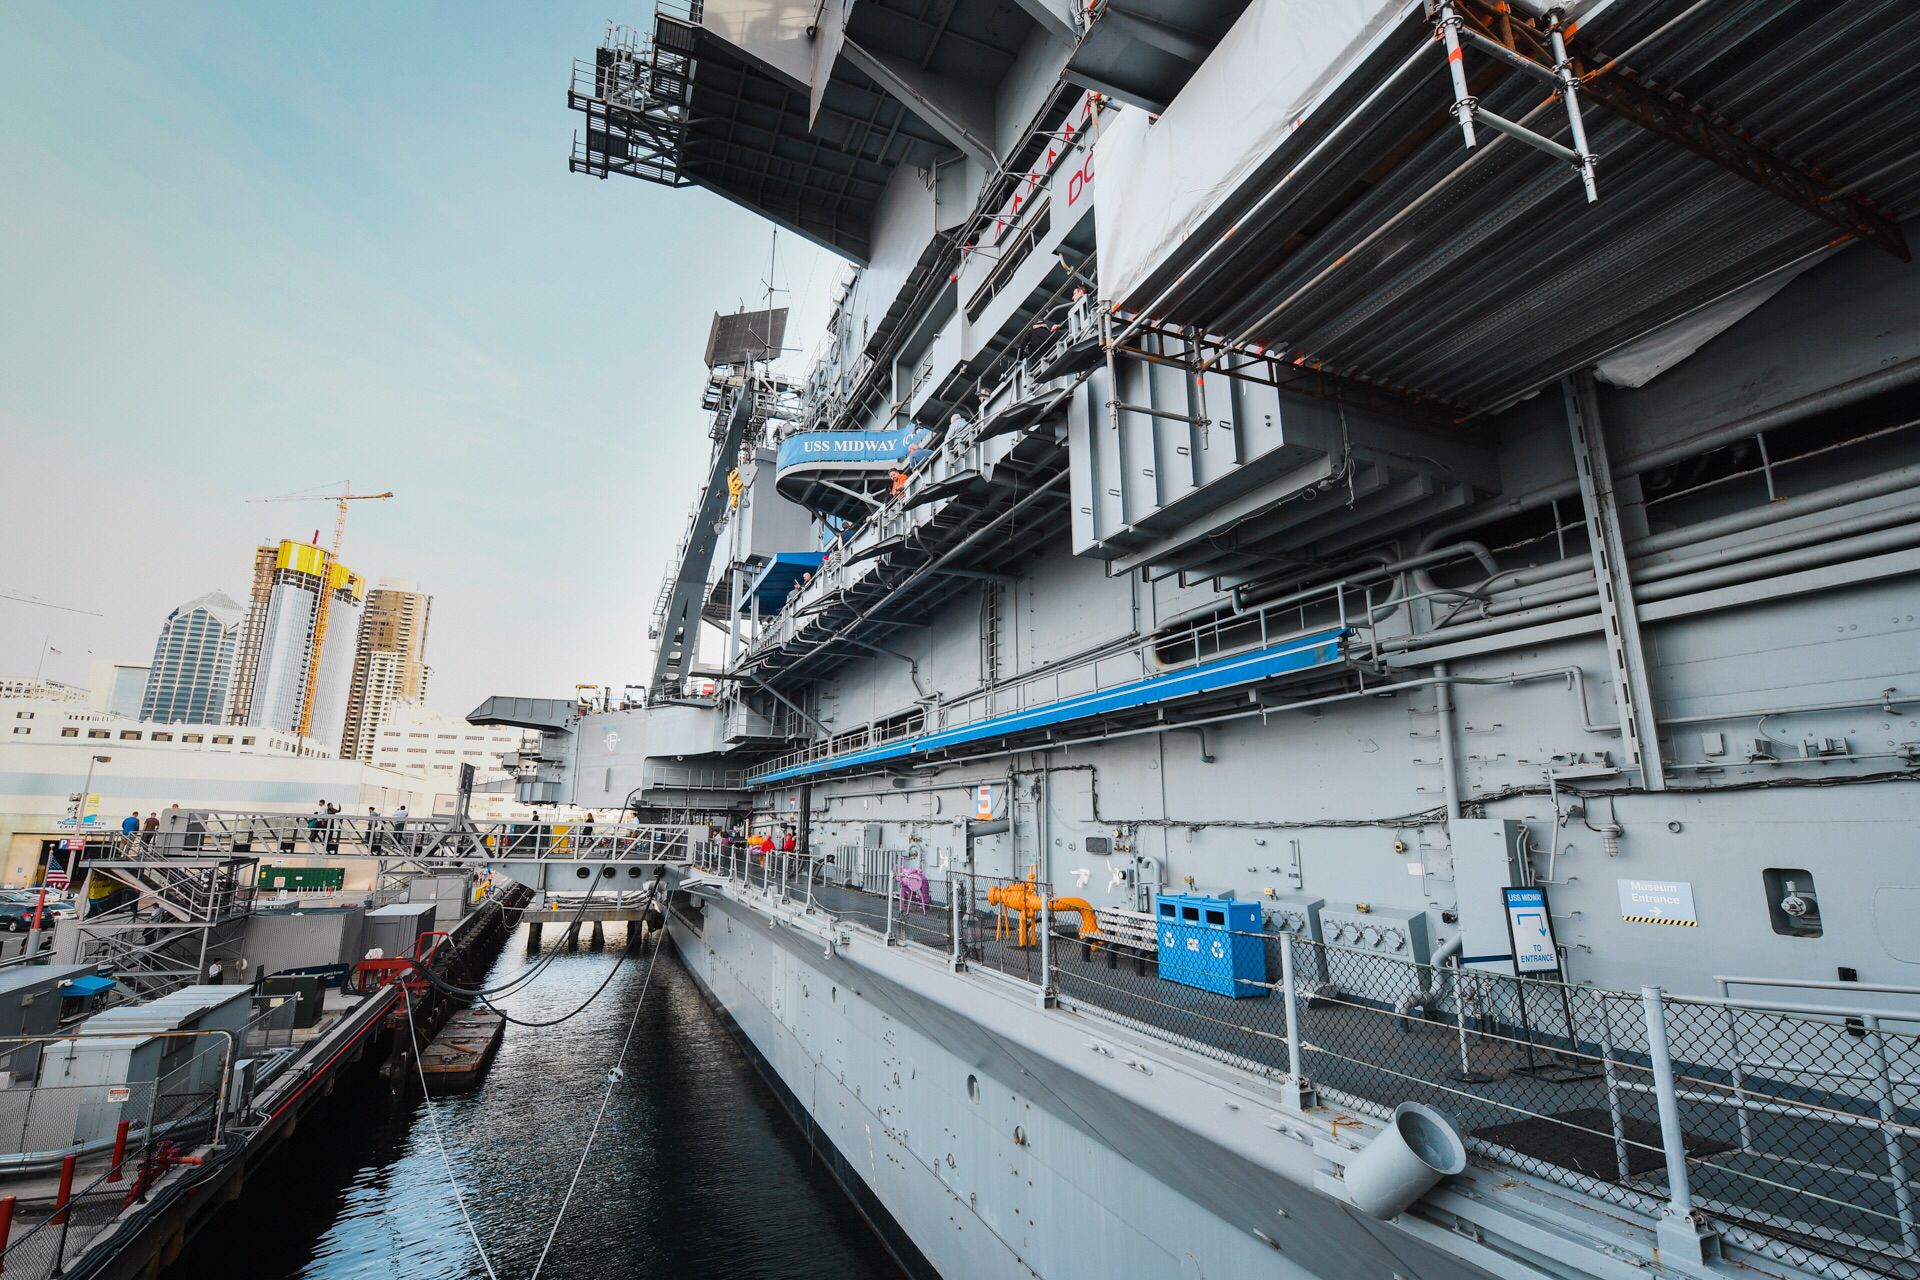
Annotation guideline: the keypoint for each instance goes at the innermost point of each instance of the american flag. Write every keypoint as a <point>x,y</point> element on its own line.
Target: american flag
<point>56,877</point>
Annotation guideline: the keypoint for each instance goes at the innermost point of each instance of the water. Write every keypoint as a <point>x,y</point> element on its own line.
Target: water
<point>696,1171</point>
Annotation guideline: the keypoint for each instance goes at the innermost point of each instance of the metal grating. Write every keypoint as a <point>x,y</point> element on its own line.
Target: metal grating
<point>1400,259</point>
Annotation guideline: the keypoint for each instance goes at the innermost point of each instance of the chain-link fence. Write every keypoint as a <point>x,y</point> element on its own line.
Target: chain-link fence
<point>1002,923</point>
<point>1811,1124</point>
<point>1799,1130</point>
<point>1796,1129</point>
<point>118,1141</point>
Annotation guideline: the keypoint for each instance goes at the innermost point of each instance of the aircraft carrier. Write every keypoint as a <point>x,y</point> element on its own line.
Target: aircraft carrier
<point>1333,624</point>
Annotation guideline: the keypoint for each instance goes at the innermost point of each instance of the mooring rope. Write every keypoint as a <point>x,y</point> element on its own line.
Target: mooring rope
<point>440,1140</point>
<point>613,1078</point>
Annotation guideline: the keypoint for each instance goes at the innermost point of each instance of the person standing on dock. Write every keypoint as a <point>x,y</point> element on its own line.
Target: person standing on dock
<point>216,973</point>
<point>129,828</point>
<point>146,832</point>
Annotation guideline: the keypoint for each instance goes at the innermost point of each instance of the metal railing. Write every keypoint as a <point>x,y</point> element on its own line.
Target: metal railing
<point>1794,1129</point>
<point>130,1133</point>
<point>221,834</point>
<point>1334,607</point>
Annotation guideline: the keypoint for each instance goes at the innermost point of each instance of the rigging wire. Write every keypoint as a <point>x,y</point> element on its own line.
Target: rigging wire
<point>440,1140</point>
<point>613,1078</point>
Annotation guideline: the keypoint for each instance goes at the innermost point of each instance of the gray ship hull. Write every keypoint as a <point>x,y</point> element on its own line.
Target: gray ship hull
<point>984,1138</point>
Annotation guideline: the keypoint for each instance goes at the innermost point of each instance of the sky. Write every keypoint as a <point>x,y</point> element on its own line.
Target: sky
<point>258,249</point>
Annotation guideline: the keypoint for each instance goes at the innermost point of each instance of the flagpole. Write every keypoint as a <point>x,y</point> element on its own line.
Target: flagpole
<point>44,642</point>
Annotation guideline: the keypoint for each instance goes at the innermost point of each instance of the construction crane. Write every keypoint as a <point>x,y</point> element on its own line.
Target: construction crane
<point>342,499</point>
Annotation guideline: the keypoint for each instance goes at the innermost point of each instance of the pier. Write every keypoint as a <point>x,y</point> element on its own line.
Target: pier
<point>122,1201</point>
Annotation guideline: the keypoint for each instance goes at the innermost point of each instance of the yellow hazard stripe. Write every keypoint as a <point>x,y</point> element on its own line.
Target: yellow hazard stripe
<point>1659,920</point>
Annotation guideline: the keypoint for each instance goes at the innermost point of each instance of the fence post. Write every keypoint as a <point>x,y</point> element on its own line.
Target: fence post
<point>1890,1138</point>
<point>1680,1232</point>
<point>1296,1091</point>
<point>1615,1116</point>
<point>66,1188</point>
<point>959,962</point>
<point>1046,947</point>
<point>890,897</point>
<point>119,1151</point>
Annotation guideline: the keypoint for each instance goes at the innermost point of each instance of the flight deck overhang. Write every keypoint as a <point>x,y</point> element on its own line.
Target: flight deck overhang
<point>1360,235</point>
<point>802,111</point>
<point>545,715</point>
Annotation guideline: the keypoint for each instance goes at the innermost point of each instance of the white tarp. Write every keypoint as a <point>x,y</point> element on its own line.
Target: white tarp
<point>1646,358</point>
<point>1160,179</point>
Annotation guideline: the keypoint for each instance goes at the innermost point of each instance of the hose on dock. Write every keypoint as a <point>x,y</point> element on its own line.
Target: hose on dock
<point>487,998</point>
<point>511,985</point>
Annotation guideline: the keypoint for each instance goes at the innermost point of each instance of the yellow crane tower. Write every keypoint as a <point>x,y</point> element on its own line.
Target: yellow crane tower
<point>322,605</point>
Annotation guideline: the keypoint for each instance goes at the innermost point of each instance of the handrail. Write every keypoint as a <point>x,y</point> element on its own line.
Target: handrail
<point>1817,984</point>
<point>1141,661</point>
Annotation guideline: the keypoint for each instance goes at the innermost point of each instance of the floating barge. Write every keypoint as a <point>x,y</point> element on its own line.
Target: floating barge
<point>459,1056</point>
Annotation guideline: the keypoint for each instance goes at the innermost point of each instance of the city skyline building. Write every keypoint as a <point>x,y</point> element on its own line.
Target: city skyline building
<point>192,662</point>
<point>118,687</point>
<point>389,661</point>
<point>296,649</point>
<point>421,742</point>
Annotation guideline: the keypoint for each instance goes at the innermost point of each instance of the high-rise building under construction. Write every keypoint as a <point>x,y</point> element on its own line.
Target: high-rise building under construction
<point>295,658</point>
<point>389,662</point>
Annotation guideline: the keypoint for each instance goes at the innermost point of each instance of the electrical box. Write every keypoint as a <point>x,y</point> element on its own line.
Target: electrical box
<point>395,930</point>
<point>1212,943</point>
<point>1296,914</point>
<point>1485,861</point>
<point>1390,932</point>
<point>304,991</point>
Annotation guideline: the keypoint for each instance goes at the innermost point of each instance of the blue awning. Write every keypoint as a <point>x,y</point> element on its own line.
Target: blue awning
<point>778,579</point>
<point>86,986</point>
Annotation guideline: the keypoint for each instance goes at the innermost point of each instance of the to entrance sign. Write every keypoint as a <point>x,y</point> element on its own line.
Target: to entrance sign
<point>1530,927</point>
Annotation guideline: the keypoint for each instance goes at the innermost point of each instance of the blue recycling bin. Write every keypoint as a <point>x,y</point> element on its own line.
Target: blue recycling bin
<point>1215,944</point>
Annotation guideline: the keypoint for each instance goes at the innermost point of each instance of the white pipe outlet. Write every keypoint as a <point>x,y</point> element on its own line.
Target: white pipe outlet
<point>1405,1161</point>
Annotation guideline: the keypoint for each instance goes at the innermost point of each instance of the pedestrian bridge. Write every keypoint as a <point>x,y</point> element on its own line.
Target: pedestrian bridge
<point>600,858</point>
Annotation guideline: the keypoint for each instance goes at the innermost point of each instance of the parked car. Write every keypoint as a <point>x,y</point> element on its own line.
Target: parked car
<point>16,911</point>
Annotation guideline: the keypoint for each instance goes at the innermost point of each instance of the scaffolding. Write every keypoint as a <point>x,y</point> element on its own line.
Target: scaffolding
<point>637,96</point>
<point>170,917</point>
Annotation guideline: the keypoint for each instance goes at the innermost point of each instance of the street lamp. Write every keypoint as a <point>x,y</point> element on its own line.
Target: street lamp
<point>86,789</point>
